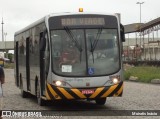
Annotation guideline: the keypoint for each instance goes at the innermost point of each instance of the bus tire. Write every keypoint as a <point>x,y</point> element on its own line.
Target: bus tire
<point>40,101</point>
<point>24,94</point>
<point>100,101</point>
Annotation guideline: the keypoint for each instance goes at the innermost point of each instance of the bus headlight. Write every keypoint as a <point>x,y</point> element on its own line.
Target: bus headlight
<point>115,79</point>
<point>58,83</point>
<point>61,83</point>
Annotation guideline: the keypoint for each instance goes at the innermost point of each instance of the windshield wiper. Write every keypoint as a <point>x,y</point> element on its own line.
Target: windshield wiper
<point>70,34</point>
<point>93,46</point>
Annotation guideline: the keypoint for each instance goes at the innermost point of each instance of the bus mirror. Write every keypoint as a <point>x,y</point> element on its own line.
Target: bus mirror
<point>122,33</point>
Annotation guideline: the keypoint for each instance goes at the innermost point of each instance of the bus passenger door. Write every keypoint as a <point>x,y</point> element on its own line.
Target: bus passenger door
<point>16,63</point>
<point>27,64</point>
<point>42,61</point>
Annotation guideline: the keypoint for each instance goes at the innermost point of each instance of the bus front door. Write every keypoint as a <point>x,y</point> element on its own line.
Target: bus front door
<point>27,64</point>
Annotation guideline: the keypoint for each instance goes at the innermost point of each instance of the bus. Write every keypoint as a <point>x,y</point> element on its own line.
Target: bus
<point>70,56</point>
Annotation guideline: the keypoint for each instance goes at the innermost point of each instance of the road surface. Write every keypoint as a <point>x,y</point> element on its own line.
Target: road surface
<point>136,96</point>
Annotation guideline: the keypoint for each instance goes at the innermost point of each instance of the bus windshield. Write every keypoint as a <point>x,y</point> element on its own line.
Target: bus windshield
<point>85,52</point>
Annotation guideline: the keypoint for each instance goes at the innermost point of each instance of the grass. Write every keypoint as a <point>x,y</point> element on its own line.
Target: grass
<point>9,65</point>
<point>144,73</point>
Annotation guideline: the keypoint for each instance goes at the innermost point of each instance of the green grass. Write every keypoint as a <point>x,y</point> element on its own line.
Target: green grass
<point>9,65</point>
<point>144,73</point>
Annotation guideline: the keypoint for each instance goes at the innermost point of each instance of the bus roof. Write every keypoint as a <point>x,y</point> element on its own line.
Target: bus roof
<point>30,26</point>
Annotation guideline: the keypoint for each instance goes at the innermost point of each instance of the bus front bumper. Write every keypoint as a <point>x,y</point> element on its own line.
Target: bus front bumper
<point>58,93</point>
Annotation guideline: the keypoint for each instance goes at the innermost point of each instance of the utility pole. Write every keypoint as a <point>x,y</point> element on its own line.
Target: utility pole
<point>140,3</point>
<point>2,33</point>
<point>5,35</point>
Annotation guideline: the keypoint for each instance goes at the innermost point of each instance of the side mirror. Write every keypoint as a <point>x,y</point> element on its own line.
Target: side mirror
<point>122,33</point>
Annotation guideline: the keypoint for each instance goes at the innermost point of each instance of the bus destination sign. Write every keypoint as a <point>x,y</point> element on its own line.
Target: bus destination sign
<point>82,21</point>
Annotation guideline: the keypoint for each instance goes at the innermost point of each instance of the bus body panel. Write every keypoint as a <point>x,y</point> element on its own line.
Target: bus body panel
<point>80,87</point>
<point>33,36</point>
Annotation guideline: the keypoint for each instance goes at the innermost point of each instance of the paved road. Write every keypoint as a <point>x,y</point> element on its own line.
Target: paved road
<point>136,96</point>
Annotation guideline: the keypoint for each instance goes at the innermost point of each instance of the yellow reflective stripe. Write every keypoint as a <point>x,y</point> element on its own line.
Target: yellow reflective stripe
<point>47,96</point>
<point>65,93</point>
<point>120,90</point>
<point>53,92</point>
<point>96,92</point>
<point>109,91</point>
<point>78,93</point>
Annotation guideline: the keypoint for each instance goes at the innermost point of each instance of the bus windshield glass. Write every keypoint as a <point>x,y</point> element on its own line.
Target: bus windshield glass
<point>85,52</point>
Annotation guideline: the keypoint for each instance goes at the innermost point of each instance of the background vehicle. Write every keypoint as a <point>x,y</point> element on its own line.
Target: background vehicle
<point>94,71</point>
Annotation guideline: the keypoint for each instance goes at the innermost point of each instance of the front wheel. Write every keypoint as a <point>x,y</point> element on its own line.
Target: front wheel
<point>40,101</point>
<point>101,101</point>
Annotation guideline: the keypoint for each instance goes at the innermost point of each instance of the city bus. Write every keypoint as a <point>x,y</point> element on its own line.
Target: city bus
<point>70,56</point>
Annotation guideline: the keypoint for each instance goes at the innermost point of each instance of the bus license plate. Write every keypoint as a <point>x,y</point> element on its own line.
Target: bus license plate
<point>87,91</point>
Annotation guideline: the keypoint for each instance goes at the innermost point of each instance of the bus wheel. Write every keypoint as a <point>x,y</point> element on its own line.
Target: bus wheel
<point>101,101</point>
<point>40,101</point>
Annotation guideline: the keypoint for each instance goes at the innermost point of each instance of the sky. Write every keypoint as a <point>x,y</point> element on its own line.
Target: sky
<point>18,14</point>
